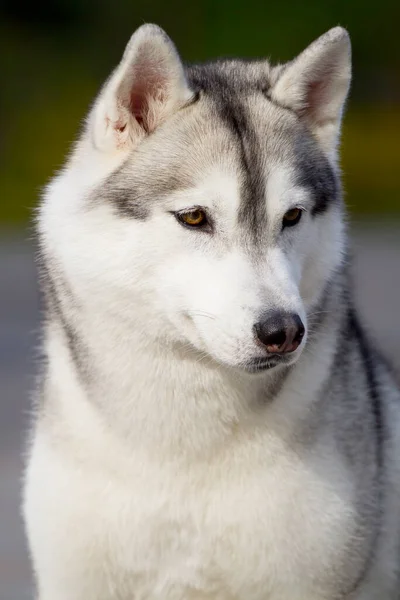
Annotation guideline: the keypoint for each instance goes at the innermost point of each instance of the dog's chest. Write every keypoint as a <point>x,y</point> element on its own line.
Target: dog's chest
<point>242,528</point>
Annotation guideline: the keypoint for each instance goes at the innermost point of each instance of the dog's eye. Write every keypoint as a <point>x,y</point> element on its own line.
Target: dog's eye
<point>292,217</point>
<point>193,218</point>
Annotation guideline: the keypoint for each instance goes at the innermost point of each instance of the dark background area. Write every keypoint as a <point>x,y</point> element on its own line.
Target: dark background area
<point>55,54</point>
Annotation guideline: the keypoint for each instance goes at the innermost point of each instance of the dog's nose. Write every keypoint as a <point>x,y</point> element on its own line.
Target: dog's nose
<point>280,332</point>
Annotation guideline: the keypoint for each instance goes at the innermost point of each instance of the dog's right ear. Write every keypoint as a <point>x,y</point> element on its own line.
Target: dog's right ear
<point>147,87</point>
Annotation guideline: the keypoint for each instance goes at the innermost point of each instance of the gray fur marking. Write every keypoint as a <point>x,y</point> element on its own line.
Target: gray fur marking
<point>228,91</point>
<point>56,291</point>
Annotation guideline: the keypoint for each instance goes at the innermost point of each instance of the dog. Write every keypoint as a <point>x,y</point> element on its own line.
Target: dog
<point>212,420</point>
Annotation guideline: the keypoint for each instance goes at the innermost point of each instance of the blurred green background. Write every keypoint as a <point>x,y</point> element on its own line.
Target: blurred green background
<point>56,53</point>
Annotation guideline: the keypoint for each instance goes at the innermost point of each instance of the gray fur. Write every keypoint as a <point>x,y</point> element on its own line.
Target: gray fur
<point>232,93</point>
<point>61,309</point>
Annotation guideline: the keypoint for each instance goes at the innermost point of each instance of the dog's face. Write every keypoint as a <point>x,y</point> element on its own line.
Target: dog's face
<point>217,220</point>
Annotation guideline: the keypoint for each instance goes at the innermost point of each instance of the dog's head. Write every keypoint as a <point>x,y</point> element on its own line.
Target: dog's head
<point>202,204</point>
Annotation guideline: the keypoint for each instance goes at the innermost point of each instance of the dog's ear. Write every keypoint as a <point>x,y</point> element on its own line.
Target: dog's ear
<point>316,84</point>
<point>147,87</point>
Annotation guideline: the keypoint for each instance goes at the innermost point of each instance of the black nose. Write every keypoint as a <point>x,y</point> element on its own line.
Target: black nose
<point>280,332</point>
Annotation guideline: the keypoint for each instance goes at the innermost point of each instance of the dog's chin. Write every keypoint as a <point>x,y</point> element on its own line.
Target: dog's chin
<point>259,365</point>
<point>268,363</point>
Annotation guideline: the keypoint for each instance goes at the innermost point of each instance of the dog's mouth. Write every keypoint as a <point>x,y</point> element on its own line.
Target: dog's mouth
<point>259,364</point>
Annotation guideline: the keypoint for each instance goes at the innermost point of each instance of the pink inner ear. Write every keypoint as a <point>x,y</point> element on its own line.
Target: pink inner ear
<point>139,106</point>
<point>148,90</point>
<point>317,94</point>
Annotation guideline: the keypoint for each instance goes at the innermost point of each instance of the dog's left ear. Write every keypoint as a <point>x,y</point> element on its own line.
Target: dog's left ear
<point>146,88</point>
<point>316,84</point>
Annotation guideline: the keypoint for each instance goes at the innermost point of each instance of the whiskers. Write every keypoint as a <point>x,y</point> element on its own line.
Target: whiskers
<point>228,345</point>
<point>201,313</point>
<point>314,319</point>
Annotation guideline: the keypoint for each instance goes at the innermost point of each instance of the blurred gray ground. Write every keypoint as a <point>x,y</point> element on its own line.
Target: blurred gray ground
<point>377,274</point>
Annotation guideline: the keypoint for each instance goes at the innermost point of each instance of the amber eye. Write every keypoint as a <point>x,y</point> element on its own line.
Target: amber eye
<point>292,217</point>
<point>193,218</point>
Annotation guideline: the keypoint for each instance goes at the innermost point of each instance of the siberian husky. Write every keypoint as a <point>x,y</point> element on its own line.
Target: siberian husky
<point>212,422</point>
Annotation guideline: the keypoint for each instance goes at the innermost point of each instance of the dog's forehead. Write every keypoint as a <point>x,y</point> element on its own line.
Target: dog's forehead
<point>274,147</point>
<point>232,128</point>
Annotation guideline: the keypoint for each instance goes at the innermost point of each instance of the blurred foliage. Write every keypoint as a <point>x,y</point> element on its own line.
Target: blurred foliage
<point>56,54</point>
